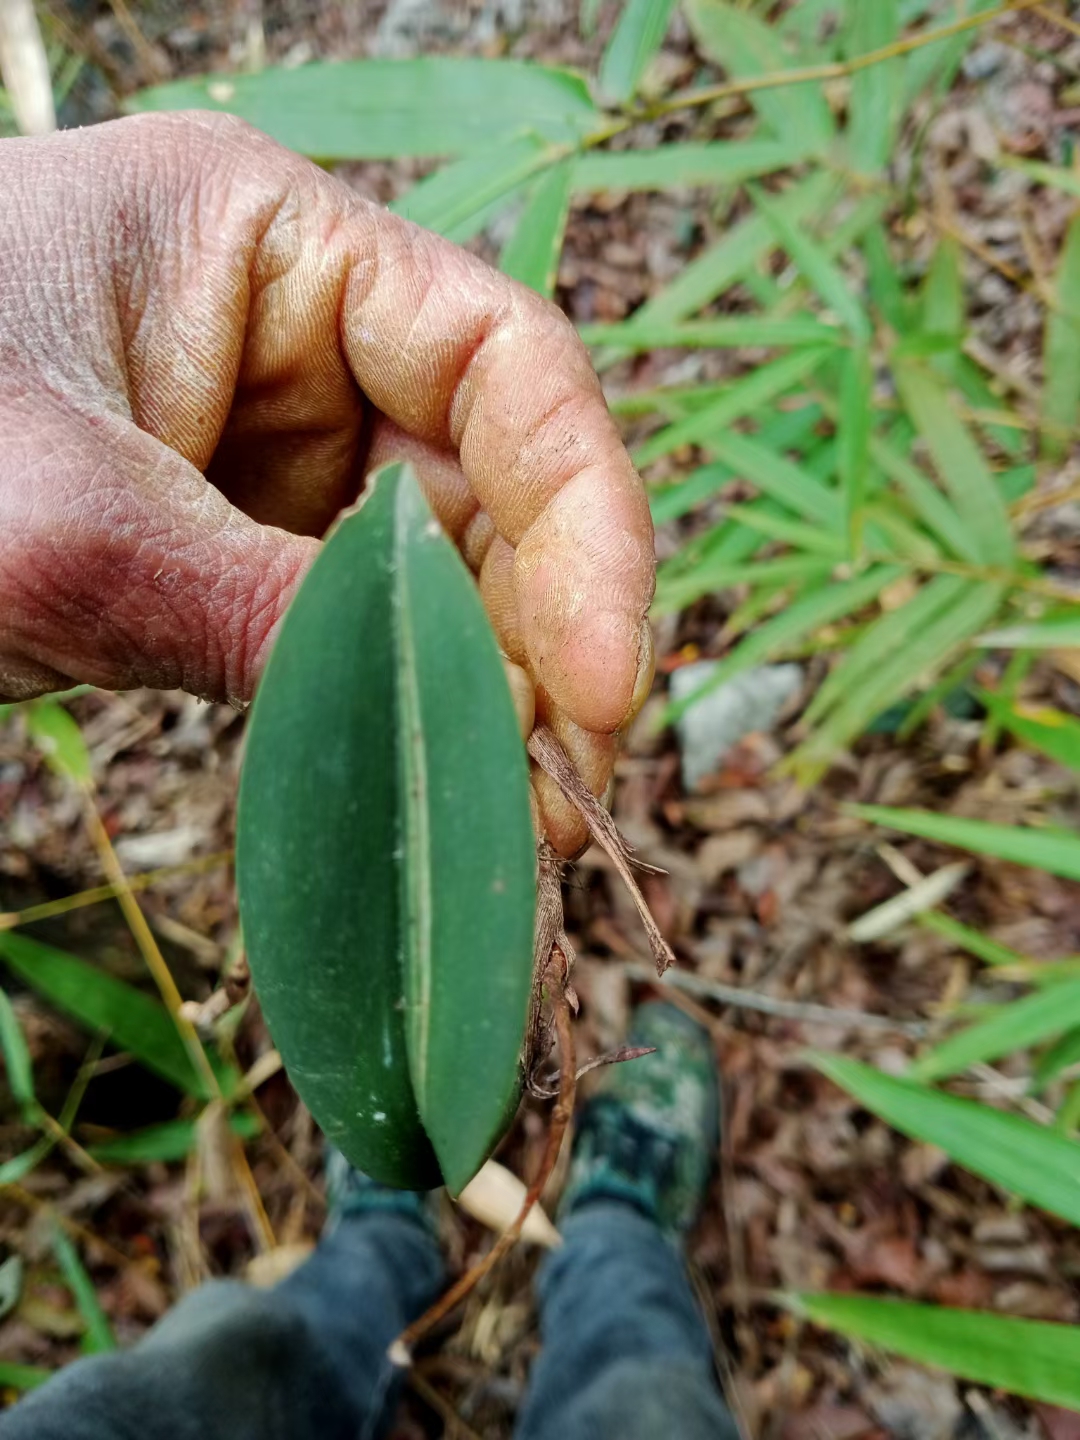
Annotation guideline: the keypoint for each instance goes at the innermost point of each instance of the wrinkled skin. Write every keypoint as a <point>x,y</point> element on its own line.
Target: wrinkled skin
<point>205,344</point>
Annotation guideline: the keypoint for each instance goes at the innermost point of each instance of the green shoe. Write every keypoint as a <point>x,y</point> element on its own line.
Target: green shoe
<point>649,1135</point>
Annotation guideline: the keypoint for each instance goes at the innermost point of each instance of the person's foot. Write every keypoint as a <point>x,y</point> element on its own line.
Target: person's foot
<point>649,1135</point>
<point>349,1193</point>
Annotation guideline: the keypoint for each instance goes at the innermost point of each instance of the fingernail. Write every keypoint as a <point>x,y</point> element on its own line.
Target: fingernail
<point>523,695</point>
<point>645,672</point>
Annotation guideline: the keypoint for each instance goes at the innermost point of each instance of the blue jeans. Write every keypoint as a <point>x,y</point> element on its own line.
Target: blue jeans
<point>626,1355</point>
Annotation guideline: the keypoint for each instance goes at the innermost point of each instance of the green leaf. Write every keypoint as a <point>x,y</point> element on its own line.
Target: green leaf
<point>20,1071</point>
<point>58,737</point>
<point>716,162</point>
<point>161,1144</point>
<point>779,477</point>
<point>385,850</point>
<point>815,265</point>
<point>1052,175</point>
<point>925,499</point>
<point>1056,634</point>
<point>745,46</point>
<point>635,40</point>
<point>133,1021</point>
<point>962,469</point>
<point>853,441</point>
<point>383,109</point>
<point>809,571</point>
<point>456,200</point>
<point>876,91</point>
<point>942,295</point>
<point>1061,1056</point>
<point>98,1339</point>
<point>975,943</point>
<point>810,539</point>
<point>1034,1358</point>
<point>734,332</point>
<point>742,398</point>
<point>805,615</point>
<point>737,253</point>
<point>1056,851</point>
<point>22,1377</point>
<point>1061,361</point>
<point>1015,1026</point>
<point>1050,731</point>
<point>531,255</point>
<point>1035,1163</point>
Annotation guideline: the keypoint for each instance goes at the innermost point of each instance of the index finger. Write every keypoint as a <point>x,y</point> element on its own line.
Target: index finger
<point>464,358</point>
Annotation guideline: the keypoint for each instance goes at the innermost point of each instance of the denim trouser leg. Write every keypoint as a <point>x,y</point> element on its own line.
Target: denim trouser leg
<point>626,1355</point>
<point>304,1361</point>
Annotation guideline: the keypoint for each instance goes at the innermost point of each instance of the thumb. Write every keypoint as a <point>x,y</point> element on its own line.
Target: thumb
<point>121,566</point>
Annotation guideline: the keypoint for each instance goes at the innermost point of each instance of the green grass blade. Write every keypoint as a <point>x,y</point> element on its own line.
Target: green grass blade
<point>99,1338</point>
<point>1015,1026</point>
<point>1031,1161</point>
<point>1061,361</point>
<point>1034,1358</point>
<point>1050,731</point>
<point>133,1021</point>
<point>1056,634</point>
<point>1056,851</point>
<point>1061,1056</point>
<point>807,571</point>
<point>742,398</point>
<point>57,735</point>
<point>385,109</point>
<point>455,201</point>
<point>635,40</point>
<point>1054,176</point>
<point>805,615</point>
<point>926,500</point>
<point>815,265</point>
<point>776,475</point>
<point>713,162</point>
<point>531,255</point>
<point>962,469</point>
<point>20,1070</point>
<point>975,943</point>
<point>745,45</point>
<point>942,296</point>
<point>853,442</point>
<point>874,109</point>
<point>810,539</point>
<point>22,1377</point>
<point>162,1144</point>
<point>736,332</point>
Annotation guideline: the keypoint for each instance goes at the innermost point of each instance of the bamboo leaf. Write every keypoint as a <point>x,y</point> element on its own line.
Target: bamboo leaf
<point>715,162</point>
<point>58,737</point>
<point>776,475</point>
<point>808,571</point>
<point>745,45</point>
<point>1055,634</point>
<point>1035,1163</point>
<point>1050,731</point>
<point>742,398</point>
<point>1015,1026</point>
<point>162,1144</point>
<point>385,853</point>
<point>735,332</point>
<point>1034,1358</point>
<point>531,255</point>
<point>383,109</point>
<point>635,40</point>
<point>131,1020</point>
<point>961,467</point>
<point>456,201</point>
<point>1061,361</point>
<point>975,943</point>
<point>98,1339</point>
<point>1056,851</point>
<point>853,442</point>
<point>22,1377</point>
<point>876,91</point>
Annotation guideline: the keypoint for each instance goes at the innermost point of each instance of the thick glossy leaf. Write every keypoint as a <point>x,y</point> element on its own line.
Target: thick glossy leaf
<point>1013,1026</point>
<point>385,851</point>
<point>456,201</point>
<point>131,1020</point>
<point>963,471</point>
<point>1029,1357</point>
<point>717,162</point>
<point>1034,1162</point>
<point>159,1144</point>
<point>634,41</point>
<point>747,46</point>
<point>1057,851</point>
<point>381,109</point>
<point>531,255</point>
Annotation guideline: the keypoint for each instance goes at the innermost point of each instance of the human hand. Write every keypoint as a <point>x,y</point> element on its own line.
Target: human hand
<point>206,342</point>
